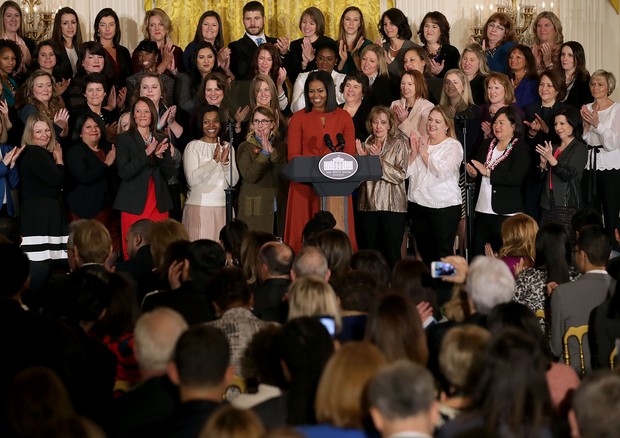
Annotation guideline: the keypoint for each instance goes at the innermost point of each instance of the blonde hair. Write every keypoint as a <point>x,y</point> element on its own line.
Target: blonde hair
<point>477,50</point>
<point>255,83</point>
<point>231,422</point>
<point>163,233</point>
<point>519,236</point>
<point>25,95</point>
<point>340,397</point>
<point>313,296</point>
<point>165,20</point>
<point>28,136</point>
<point>466,97</point>
<point>381,61</point>
<point>459,356</point>
<point>448,121</point>
<point>557,24</point>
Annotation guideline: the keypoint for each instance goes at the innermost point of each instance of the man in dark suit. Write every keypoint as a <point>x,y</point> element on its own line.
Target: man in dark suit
<point>140,263</point>
<point>275,261</point>
<point>242,51</point>
<point>156,397</point>
<point>202,372</point>
<point>402,401</point>
<point>572,302</point>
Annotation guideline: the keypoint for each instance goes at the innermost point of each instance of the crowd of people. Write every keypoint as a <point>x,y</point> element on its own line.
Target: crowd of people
<point>133,303</point>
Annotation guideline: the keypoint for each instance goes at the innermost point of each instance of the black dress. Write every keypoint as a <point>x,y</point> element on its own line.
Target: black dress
<point>43,221</point>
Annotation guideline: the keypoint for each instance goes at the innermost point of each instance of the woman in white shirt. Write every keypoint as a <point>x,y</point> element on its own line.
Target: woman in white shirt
<point>434,192</point>
<point>206,162</point>
<point>601,131</point>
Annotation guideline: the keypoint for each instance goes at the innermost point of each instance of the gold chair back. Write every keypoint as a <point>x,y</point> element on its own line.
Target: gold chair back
<point>578,333</point>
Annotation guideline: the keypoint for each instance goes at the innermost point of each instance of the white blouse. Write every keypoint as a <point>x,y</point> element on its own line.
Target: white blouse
<point>206,179</point>
<point>606,134</point>
<point>437,186</point>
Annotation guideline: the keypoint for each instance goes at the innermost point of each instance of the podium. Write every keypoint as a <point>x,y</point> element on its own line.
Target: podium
<point>334,177</point>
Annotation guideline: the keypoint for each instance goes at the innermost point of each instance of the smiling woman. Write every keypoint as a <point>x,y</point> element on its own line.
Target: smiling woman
<point>307,129</point>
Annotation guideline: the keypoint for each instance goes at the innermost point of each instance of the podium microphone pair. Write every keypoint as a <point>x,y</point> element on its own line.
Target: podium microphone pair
<point>328,142</point>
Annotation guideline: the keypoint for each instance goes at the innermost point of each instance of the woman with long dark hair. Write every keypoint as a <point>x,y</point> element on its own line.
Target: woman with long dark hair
<point>144,164</point>
<point>552,267</point>
<point>306,132</point>
<point>67,35</point>
<point>108,33</point>
<point>500,169</point>
<point>576,75</point>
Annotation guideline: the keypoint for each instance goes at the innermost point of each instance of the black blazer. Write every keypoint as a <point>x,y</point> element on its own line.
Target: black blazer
<point>242,54</point>
<point>566,177</point>
<point>383,92</point>
<point>580,94</point>
<point>506,179</point>
<point>135,168</point>
<point>93,182</point>
<point>62,62</point>
<point>292,60</point>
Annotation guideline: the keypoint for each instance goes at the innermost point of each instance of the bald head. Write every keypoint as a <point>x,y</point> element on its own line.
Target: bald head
<point>310,261</point>
<point>156,335</point>
<point>275,260</point>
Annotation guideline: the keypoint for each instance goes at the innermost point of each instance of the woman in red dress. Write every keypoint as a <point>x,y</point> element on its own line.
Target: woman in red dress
<point>144,165</point>
<point>305,138</point>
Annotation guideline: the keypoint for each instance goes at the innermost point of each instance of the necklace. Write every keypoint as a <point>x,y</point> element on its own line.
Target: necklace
<point>493,164</point>
<point>491,52</point>
<point>434,56</point>
<point>148,139</point>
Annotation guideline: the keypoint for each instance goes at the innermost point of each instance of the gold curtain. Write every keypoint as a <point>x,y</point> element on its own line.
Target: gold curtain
<point>282,16</point>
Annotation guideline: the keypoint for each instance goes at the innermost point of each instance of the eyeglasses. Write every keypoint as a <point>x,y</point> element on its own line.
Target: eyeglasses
<point>261,122</point>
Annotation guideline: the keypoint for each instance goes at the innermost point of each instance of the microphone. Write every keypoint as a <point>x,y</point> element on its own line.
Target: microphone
<point>328,142</point>
<point>341,142</point>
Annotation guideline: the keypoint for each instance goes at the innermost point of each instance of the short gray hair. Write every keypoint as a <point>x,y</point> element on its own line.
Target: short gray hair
<point>401,390</point>
<point>596,403</point>
<point>310,261</point>
<point>489,283</point>
<point>156,335</point>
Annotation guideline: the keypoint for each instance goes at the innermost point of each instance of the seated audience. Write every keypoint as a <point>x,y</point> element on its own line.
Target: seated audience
<point>232,299</point>
<point>571,303</point>
<point>201,369</point>
<point>402,401</point>
<point>356,291</point>
<point>394,326</point>
<point>275,261</point>
<point>339,403</point>
<point>594,405</point>
<point>156,397</point>
<point>460,364</point>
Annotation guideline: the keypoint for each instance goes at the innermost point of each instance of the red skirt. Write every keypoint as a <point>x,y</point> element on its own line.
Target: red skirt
<point>150,212</point>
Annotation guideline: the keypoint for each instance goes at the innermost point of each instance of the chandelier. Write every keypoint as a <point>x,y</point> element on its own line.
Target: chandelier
<point>38,23</point>
<point>521,12</point>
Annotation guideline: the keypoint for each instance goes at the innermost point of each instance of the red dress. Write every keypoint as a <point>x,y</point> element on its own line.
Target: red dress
<point>305,138</point>
<point>150,212</point>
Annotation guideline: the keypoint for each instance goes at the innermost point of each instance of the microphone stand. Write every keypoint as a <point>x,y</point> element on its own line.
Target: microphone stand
<point>230,190</point>
<point>466,116</point>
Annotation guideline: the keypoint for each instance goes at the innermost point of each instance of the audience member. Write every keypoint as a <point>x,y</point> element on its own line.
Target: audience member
<point>395,327</point>
<point>402,401</point>
<point>232,299</point>
<point>156,334</point>
<point>341,406</point>
<point>356,291</point>
<point>594,405</point>
<point>230,422</point>
<point>310,261</point>
<point>571,303</point>
<point>275,261</point>
<point>201,369</point>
